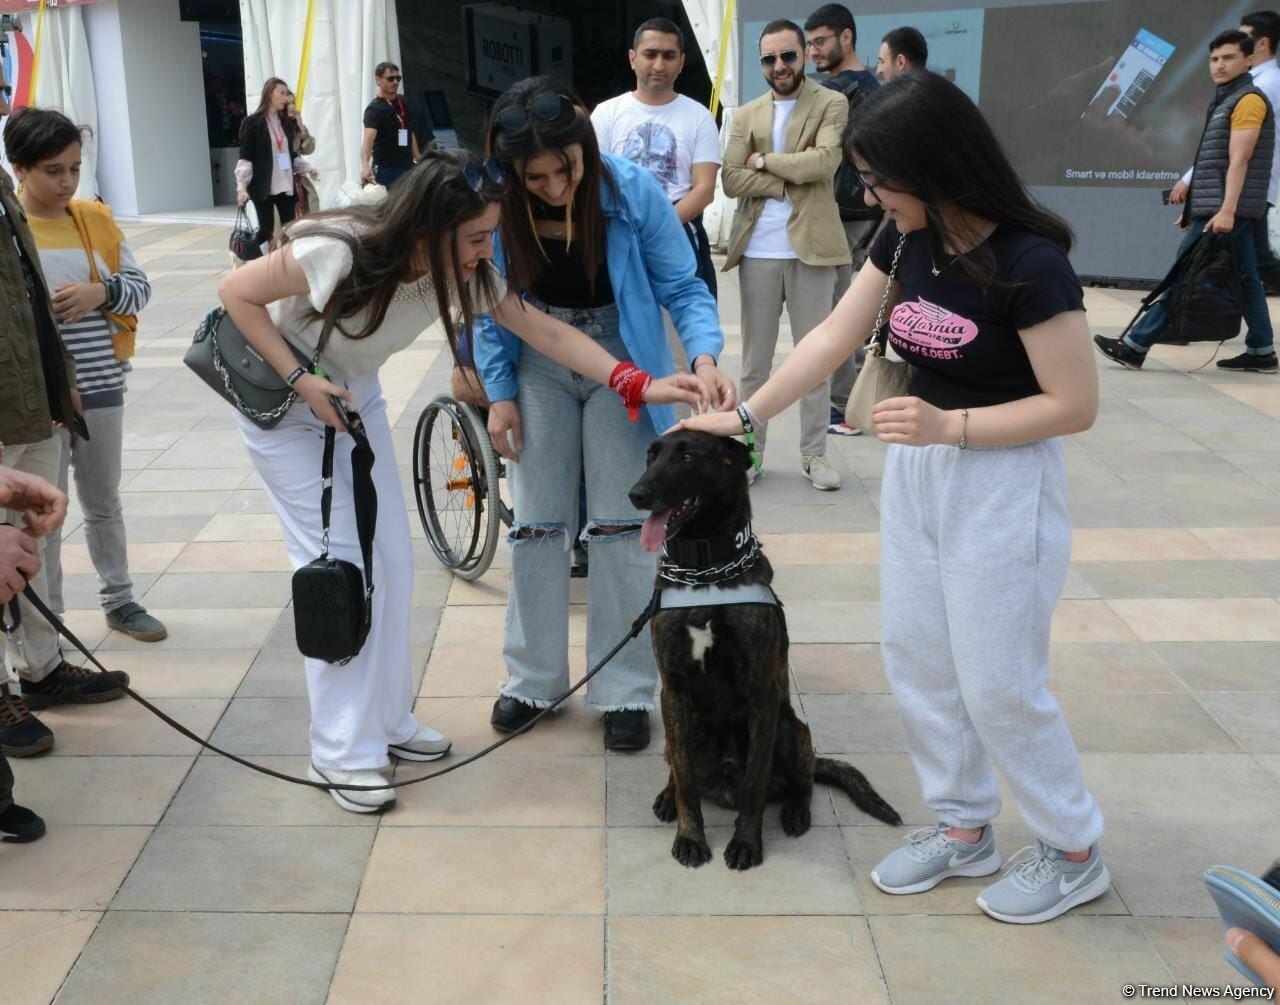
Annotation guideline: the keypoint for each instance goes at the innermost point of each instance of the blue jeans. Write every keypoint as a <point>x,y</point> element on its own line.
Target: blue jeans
<point>388,176</point>
<point>1259,340</point>
<point>574,425</point>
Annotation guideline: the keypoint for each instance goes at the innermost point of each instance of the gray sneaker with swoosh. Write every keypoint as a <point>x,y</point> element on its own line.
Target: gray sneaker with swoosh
<point>1040,884</point>
<point>929,857</point>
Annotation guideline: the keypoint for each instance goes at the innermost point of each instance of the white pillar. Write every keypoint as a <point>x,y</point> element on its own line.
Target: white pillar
<point>153,143</point>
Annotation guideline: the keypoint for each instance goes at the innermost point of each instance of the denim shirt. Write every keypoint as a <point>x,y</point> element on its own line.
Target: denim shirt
<point>651,266</point>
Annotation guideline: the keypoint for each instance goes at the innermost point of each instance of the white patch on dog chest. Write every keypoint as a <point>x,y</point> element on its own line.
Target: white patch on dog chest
<point>700,640</point>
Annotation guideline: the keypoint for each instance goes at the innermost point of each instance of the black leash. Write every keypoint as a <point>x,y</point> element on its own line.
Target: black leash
<point>636,627</point>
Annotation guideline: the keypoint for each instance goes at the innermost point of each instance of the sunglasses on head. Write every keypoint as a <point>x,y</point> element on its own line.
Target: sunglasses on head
<point>549,107</point>
<point>789,57</point>
<point>476,176</point>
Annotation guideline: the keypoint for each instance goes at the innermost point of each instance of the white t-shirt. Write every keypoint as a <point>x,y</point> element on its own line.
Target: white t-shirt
<point>667,139</point>
<point>769,238</point>
<point>326,261</point>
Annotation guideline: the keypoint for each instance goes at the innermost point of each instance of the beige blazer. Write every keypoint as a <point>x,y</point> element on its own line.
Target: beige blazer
<point>802,175</point>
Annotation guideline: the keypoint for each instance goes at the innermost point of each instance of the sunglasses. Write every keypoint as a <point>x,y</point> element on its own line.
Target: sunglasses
<point>789,57</point>
<point>546,108</point>
<point>476,176</point>
<point>393,79</point>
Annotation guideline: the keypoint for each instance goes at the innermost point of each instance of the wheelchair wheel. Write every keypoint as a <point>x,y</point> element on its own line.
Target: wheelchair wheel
<point>456,483</point>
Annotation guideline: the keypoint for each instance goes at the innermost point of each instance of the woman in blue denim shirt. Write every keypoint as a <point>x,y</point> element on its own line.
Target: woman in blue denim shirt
<point>591,240</point>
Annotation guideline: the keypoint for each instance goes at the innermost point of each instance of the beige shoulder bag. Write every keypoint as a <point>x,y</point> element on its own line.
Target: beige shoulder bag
<point>880,377</point>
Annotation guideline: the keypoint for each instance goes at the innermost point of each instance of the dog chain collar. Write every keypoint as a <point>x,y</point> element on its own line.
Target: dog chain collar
<point>684,576</point>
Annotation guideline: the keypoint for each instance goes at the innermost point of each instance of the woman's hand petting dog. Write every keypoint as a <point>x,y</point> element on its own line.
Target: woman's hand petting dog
<point>715,423</point>
<point>504,419</point>
<point>914,422</point>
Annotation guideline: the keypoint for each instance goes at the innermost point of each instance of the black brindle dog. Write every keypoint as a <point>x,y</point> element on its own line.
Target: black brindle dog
<point>732,734</point>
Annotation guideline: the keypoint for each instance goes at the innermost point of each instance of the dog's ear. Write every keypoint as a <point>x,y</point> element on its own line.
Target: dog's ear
<point>739,452</point>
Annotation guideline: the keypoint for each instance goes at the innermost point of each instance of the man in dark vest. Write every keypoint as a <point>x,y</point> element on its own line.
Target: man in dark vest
<point>1228,196</point>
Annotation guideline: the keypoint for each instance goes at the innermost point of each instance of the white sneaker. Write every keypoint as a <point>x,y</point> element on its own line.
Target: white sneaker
<point>372,801</point>
<point>822,474</point>
<point>425,745</point>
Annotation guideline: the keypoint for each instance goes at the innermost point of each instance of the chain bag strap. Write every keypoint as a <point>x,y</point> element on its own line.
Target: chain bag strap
<point>880,377</point>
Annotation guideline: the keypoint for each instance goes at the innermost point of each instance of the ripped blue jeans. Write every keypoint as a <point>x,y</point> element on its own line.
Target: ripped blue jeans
<point>573,424</point>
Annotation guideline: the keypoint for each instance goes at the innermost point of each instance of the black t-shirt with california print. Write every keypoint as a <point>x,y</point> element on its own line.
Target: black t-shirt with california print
<point>963,340</point>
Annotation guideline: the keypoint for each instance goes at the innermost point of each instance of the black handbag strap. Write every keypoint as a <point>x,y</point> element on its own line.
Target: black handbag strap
<point>365,495</point>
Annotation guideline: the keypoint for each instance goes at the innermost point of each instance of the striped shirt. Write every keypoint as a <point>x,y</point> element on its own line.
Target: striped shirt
<point>99,377</point>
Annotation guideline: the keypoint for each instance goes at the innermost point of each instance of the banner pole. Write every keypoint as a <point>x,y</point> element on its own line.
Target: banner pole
<point>301,89</point>
<point>35,54</point>
<point>725,28</point>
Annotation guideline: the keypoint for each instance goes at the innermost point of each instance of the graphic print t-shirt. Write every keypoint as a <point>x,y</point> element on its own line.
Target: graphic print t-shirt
<point>667,139</point>
<point>963,340</point>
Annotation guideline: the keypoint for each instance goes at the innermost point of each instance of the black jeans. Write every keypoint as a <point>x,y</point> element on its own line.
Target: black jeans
<point>388,176</point>
<point>1268,264</point>
<point>6,784</point>
<point>286,203</point>
<point>705,270</point>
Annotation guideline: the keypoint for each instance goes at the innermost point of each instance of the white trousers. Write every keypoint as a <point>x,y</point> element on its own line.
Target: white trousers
<point>360,708</point>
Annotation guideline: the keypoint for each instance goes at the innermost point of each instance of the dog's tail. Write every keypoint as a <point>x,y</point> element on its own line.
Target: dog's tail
<point>854,783</point>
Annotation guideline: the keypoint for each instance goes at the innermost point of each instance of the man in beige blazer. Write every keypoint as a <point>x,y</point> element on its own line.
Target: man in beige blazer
<point>787,239</point>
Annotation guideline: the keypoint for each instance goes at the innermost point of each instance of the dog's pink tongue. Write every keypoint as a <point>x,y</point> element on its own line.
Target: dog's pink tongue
<point>653,535</point>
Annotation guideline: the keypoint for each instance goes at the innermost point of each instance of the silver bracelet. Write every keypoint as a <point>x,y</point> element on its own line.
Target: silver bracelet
<point>964,427</point>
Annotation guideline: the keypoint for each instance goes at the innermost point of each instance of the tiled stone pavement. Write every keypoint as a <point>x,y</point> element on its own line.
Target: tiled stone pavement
<point>540,874</point>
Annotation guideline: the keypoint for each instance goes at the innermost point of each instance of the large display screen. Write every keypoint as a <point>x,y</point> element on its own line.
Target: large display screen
<point>1100,104</point>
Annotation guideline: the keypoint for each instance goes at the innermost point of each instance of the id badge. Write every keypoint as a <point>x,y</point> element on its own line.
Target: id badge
<point>402,137</point>
<point>283,161</point>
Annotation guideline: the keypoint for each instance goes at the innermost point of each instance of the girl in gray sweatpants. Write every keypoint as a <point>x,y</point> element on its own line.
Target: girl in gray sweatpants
<point>971,280</point>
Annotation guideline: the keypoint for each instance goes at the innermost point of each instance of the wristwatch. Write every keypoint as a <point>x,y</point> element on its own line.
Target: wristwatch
<point>758,163</point>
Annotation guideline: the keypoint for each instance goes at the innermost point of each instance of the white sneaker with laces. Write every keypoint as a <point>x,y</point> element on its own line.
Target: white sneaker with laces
<point>822,474</point>
<point>425,745</point>
<point>1039,884</point>
<point>372,801</point>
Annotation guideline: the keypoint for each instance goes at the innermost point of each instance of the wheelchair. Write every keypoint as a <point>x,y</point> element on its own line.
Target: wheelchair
<point>457,481</point>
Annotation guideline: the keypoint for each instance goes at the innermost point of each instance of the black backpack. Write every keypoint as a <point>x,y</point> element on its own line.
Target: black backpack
<point>1205,301</point>
<point>848,190</point>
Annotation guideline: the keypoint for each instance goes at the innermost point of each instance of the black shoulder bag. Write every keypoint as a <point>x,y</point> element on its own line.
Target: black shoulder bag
<point>332,600</point>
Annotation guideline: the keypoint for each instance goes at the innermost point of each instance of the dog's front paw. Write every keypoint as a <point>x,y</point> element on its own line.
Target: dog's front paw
<point>740,854</point>
<point>795,817</point>
<point>690,852</point>
<point>664,807</point>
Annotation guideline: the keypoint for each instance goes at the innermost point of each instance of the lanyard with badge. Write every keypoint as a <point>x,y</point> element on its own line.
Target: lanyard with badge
<point>284,161</point>
<point>402,117</point>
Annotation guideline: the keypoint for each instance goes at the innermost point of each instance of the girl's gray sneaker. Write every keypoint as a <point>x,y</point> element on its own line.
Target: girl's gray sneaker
<point>930,857</point>
<point>1041,884</point>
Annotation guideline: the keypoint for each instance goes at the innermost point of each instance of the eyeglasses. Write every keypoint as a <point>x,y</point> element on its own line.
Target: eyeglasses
<point>548,107</point>
<point>818,41</point>
<point>789,57</point>
<point>489,168</point>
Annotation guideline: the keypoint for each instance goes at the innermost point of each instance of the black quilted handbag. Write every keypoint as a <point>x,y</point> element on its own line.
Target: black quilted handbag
<point>244,241</point>
<point>332,598</point>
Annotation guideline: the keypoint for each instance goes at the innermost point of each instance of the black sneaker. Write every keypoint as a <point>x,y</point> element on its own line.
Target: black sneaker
<point>626,730</point>
<point>21,733</point>
<point>19,825</point>
<point>1120,352</point>
<point>509,714</point>
<point>73,685</point>
<point>578,570</point>
<point>1248,362</point>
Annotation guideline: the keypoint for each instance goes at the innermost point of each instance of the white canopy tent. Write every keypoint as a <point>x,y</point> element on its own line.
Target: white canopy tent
<point>708,20</point>
<point>348,38</point>
<point>65,81</point>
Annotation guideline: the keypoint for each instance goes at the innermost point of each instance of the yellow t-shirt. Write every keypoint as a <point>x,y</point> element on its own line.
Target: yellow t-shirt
<point>1249,113</point>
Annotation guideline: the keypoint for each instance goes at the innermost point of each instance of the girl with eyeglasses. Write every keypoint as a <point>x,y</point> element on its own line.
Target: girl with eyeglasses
<point>974,532</point>
<point>591,239</point>
<point>382,273</point>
